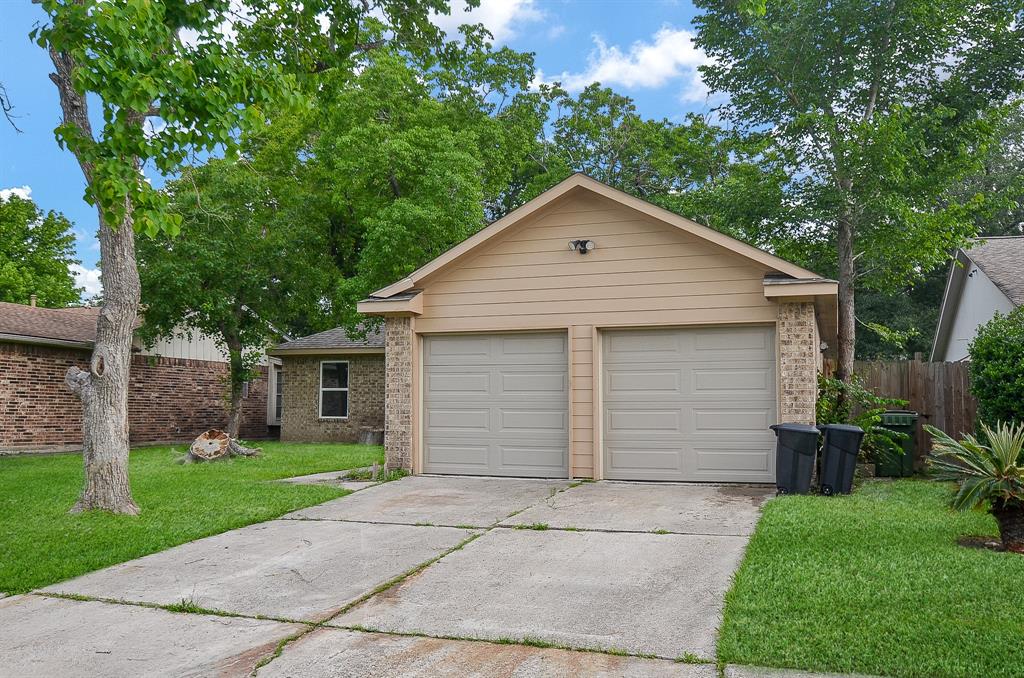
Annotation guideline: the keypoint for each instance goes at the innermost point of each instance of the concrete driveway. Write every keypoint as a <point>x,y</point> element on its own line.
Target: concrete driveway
<point>422,576</point>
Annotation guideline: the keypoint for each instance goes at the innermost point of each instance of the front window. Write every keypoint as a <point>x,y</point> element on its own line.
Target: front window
<point>278,393</point>
<point>334,389</point>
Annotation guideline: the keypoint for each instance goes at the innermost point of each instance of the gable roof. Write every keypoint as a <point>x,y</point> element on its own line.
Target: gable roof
<point>73,327</point>
<point>331,341</point>
<point>581,182</point>
<point>1001,258</point>
<point>998,258</point>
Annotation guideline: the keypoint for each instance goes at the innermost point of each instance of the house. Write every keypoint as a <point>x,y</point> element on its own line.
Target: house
<point>590,334</point>
<point>329,387</point>
<point>983,280</point>
<point>176,391</point>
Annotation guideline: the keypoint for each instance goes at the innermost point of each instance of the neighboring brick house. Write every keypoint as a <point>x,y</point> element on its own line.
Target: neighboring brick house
<point>177,387</point>
<point>329,387</point>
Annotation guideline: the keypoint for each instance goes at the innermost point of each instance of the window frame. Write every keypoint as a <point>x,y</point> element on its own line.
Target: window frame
<point>322,390</point>
<point>278,395</point>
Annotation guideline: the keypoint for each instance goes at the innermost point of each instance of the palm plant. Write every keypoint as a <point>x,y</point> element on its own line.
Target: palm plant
<point>986,473</point>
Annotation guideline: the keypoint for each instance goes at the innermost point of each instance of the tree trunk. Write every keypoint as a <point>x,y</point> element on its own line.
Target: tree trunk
<point>103,389</point>
<point>236,380</point>
<point>1010,517</point>
<point>847,317</point>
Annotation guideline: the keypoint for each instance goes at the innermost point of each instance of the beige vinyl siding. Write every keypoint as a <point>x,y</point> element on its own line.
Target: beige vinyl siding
<point>642,272</point>
<point>581,401</point>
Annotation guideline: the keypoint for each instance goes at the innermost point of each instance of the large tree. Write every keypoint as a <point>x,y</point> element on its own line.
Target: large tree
<point>879,107</point>
<point>170,81</point>
<point>405,158</point>
<point>245,264</point>
<point>724,180</point>
<point>36,250</point>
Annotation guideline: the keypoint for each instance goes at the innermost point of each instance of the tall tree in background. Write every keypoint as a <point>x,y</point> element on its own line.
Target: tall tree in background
<point>36,250</point>
<point>399,162</point>
<point>244,264</point>
<point>721,179</point>
<point>879,107</point>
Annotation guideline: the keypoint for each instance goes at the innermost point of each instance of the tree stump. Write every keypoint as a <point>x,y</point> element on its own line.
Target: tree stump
<point>214,445</point>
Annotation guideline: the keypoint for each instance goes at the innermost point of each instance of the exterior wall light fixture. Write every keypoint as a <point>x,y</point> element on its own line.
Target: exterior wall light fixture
<point>582,246</point>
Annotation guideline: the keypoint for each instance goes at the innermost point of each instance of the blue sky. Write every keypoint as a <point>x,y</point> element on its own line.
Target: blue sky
<point>642,48</point>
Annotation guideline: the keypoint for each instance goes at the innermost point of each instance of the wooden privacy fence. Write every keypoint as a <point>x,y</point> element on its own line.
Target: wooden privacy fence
<point>939,392</point>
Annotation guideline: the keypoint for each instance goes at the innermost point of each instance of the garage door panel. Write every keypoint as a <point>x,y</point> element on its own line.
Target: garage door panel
<point>643,419</point>
<point>458,350</point>
<point>652,380</point>
<point>448,420</point>
<point>648,462</point>
<point>454,383</point>
<point>713,427</point>
<point>522,421</point>
<point>548,459</point>
<point>533,383</point>
<point>732,419</point>
<point>517,425</point>
<point>734,380</point>
<point>533,349</point>
<point>652,345</point>
<point>745,340</point>
<point>460,455</point>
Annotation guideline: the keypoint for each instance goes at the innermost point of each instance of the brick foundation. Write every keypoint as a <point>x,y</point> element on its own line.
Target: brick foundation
<point>300,418</point>
<point>798,362</point>
<point>169,399</point>
<point>398,340</point>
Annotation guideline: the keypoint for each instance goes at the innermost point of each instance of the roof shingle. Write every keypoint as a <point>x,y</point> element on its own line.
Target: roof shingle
<point>336,339</point>
<point>55,324</point>
<point>1000,258</point>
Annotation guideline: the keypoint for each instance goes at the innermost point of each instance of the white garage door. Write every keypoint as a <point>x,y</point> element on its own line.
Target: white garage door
<point>690,404</point>
<point>496,404</point>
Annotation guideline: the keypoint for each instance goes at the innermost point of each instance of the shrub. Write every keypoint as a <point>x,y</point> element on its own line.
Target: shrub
<point>997,368</point>
<point>987,474</point>
<point>850,402</point>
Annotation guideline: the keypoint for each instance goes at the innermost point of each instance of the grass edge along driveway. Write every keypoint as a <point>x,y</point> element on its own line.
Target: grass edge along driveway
<point>875,583</point>
<point>41,543</point>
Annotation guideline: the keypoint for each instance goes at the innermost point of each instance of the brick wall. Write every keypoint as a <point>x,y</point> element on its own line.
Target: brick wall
<point>398,340</point>
<point>798,362</point>
<point>169,399</point>
<point>300,416</point>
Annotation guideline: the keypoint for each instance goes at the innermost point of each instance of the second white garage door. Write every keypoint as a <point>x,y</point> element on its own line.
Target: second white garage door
<point>496,404</point>
<point>689,404</point>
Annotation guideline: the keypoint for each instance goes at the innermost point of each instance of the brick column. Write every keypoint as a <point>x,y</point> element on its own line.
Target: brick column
<point>398,343</point>
<point>798,362</point>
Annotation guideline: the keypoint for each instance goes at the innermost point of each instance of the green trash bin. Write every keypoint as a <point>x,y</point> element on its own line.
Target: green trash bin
<point>892,465</point>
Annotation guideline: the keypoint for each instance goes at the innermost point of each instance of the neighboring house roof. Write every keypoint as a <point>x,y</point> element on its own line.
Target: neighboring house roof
<point>332,341</point>
<point>582,182</point>
<point>999,258</point>
<point>72,327</point>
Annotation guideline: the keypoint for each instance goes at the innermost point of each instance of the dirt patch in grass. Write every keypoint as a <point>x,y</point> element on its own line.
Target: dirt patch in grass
<point>973,541</point>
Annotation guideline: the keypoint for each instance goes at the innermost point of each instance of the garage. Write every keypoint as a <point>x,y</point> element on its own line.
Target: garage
<point>689,404</point>
<point>591,334</point>
<point>496,404</point>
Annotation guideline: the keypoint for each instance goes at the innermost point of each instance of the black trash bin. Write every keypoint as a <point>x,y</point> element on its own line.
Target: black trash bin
<point>795,450</point>
<point>839,457</point>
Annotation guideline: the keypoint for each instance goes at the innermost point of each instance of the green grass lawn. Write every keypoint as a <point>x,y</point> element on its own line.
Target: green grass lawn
<point>875,583</point>
<point>41,543</point>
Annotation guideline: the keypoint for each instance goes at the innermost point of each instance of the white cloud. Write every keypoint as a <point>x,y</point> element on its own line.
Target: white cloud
<point>23,192</point>
<point>669,56</point>
<point>502,18</point>
<point>89,278</point>
<point>556,31</point>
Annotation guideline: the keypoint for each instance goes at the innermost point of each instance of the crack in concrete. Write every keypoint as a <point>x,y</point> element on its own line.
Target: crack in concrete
<point>309,627</point>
